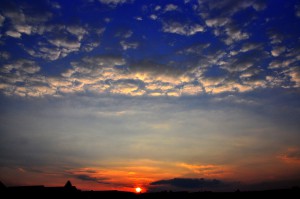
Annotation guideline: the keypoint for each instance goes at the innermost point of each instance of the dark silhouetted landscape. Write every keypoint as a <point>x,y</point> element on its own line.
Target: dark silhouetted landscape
<point>70,191</point>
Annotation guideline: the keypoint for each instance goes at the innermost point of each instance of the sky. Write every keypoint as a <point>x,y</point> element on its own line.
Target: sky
<point>163,95</point>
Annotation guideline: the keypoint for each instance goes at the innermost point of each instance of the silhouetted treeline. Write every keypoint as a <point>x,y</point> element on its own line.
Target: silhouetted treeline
<point>69,191</point>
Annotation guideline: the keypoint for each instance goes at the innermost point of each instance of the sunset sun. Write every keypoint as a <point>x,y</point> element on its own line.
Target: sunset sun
<point>138,190</point>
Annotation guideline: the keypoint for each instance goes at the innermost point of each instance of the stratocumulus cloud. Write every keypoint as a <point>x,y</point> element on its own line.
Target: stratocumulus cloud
<point>245,65</point>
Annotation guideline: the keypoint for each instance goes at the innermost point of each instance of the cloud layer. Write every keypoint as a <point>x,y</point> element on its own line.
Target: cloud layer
<point>174,60</point>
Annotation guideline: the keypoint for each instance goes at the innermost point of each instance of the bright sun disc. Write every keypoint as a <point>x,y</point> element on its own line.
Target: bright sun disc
<point>138,189</point>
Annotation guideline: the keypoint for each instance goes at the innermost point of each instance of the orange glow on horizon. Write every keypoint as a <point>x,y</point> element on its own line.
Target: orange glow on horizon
<point>140,173</point>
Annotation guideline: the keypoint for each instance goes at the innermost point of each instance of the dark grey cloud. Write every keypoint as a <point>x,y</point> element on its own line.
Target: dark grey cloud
<point>148,65</point>
<point>89,178</point>
<point>245,60</point>
<point>178,184</point>
<point>292,154</point>
<point>189,183</point>
<point>196,48</point>
<point>99,61</point>
<point>271,185</point>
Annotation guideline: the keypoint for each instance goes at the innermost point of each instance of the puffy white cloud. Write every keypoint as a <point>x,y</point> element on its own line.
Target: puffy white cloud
<point>60,45</point>
<point>46,53</point>
<point>250,46</point>
<point>235,34</point>
<point>170,7</point>
<point>66,43</point>
<point>43,90</point>
<point>23,28</point>
<point>139,18</point>
<point>294,74</point>
<point>237,65</point>
<point>153,17</point>
<point>173,93</point>
<point>78,31</point>
<point>4,85</point>
<point>158,7</point>
<point>128,45</point>
<point>90,46</point>
<point>55,5</point>
<point>275,37</point>
<point>191,89</point>
<point>124,88</point>
<point>222,24</point>
<point>276,80</point>
<point>24,66</point>
<point>231,7</point>
<point>4,55</point>
<point>246,47</point>
<point>228,86</point>
<point>156,94</point>
<point>278,51</point>
<point>114,2</point>
<point>58,82</point>
<point>94,70</point>
<point>182,29</point>
<point>256,83</point>
<point>250,73</point>
<point>22,23</point>
<point>212,81</point>
<point>233,52</point>
<point>217,22</point>
<point>58,41</point>
<point>14,34</point>
<point>275,64</point>
<point>21,78</point>
<point>158,85</point>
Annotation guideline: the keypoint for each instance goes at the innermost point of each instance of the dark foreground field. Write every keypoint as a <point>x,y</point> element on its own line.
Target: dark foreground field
<point>42,193</point>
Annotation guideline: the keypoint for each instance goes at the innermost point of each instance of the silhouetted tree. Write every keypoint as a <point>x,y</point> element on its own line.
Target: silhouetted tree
<point>68,184</point>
